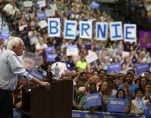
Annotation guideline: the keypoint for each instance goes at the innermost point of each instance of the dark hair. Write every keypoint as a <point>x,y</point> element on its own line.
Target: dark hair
<point>92,87</point>
<point>147,83</point>
<point>102,70</point>
<point>124,96</point>
<point>139,89</point>
<point>57,58</point>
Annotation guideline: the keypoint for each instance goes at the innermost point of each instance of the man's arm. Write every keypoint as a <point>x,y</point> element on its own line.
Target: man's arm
<point>18,69</point>
<point>41,83</point>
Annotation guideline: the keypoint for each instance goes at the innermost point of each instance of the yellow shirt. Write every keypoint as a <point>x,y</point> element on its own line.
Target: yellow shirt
<point>81,65</point>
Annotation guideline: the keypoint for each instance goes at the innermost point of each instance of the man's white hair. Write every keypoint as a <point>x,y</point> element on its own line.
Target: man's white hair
<point>13,42</point>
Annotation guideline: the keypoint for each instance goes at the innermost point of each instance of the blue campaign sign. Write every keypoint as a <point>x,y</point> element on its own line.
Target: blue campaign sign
<point>50,49</point>
<point>116,105</point>
<point>41,16</point>
<point>93,100</point>
<point>51,57</point>
<point>114,68</point>
<point>147,112</point>
<point>4,35</point>
<point>36,74</point>
<point>85,30</point>
<point>140,68</point>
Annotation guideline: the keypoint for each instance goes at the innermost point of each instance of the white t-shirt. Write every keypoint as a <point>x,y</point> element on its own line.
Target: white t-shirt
<point>62,67</point>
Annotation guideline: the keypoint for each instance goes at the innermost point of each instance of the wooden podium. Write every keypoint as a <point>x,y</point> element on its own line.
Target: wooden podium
<point>55,103</point>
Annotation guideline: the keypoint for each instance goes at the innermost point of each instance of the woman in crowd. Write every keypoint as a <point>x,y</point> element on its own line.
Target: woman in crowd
<point>147,94</point>
<point>137,105</point>
<point>122,95</point>
<point>105,92</point>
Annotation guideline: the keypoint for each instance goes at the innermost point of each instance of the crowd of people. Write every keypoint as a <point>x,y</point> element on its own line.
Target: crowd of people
<point>87,77</point>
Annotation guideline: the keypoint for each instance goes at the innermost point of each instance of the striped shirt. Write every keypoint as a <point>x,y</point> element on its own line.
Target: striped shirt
<point>11,69</point>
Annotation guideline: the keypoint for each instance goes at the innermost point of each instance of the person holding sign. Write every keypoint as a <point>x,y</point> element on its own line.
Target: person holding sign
<point>137,105</point>
<point>121,94</point>
<point>93,98</point>
<point>11,70</point>
<point>118,104</point>
<point>106,91</point>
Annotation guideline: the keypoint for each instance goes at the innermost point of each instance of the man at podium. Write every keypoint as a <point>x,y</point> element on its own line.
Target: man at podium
<point>11,69</point>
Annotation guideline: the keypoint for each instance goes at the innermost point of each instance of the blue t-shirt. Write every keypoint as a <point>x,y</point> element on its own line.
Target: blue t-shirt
<point>132,88</point>
<point>70,65</point>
